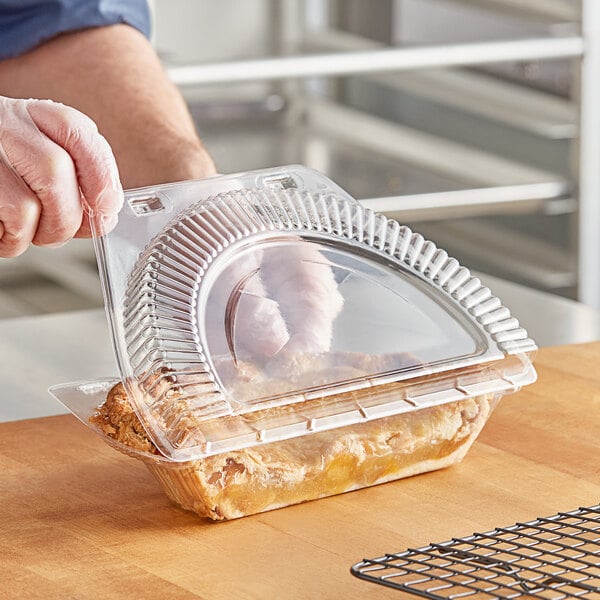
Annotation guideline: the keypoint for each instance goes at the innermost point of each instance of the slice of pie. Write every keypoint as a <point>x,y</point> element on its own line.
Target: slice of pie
<point>276,474</point>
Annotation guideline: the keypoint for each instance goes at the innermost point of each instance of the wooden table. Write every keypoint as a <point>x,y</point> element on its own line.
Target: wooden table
<point>78,520</point>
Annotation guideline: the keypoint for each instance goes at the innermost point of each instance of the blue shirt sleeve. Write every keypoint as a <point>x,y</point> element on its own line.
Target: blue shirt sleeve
<point>25,24</point>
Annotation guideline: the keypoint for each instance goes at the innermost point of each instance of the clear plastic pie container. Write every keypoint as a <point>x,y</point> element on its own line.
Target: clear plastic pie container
<point>278,342</point>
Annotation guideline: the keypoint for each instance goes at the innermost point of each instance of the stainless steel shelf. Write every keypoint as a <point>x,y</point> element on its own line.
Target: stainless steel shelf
<point>477,242</point>
<point>393,168</point>
<point>563,11</point>
<point>546,198</point>
<point>530,110</point>
<point>374,61</point>
<point>436,154</point>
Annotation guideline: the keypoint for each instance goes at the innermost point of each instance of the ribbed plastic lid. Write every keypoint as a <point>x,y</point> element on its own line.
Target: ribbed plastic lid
<point>261,306</point>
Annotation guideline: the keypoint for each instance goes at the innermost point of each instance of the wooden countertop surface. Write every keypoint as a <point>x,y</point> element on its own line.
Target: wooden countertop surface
<point>78,520</point>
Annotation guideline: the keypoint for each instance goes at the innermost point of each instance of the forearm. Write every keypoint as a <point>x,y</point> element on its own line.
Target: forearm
<point>113,75</point>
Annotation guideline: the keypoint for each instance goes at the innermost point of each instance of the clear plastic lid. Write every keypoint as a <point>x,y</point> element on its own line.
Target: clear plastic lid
<point>266,305</point>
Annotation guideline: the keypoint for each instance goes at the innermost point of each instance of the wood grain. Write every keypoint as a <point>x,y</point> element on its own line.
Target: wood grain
<point>78,520</point>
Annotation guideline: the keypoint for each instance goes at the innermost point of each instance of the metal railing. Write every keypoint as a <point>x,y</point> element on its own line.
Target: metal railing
<point>377,61</point>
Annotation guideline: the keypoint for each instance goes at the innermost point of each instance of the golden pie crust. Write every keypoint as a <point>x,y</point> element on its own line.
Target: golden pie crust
<point>272,475</point>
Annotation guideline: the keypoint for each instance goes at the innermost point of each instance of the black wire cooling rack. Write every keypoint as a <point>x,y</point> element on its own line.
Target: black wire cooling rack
<point>552,558</point>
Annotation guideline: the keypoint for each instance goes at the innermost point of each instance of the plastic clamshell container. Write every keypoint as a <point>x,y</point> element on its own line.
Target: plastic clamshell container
<point>269,319</point>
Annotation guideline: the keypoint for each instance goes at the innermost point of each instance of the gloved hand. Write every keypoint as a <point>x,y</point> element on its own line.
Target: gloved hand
<point>276,301</point>
<point>54,168</point>
<point>302,283</point>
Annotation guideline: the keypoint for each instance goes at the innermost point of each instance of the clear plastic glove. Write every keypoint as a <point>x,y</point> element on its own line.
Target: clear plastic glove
<point>55,171</point>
